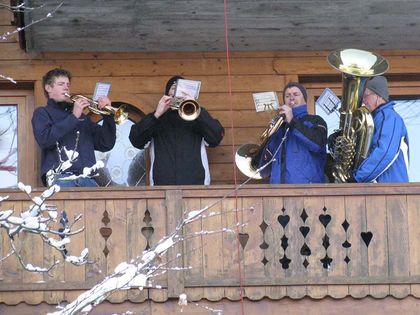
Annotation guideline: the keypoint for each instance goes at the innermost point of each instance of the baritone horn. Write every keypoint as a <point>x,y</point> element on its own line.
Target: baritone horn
<point>248,155</point>
<point>187,109</point>
<point>120,115</point>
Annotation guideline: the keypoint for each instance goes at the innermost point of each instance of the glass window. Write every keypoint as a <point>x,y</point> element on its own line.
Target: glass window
<point>409,109</point>
<point>8,146</point>
<point>124,164</point>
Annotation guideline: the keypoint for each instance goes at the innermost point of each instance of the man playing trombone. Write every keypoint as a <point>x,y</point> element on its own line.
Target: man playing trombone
<point>298,148</point>
<point>177,139</point>
<point>62,123</point>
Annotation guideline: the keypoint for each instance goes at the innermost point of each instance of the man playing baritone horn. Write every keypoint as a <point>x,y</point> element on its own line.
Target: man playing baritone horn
<point>177,147</point>
<point>387,161</point>
<point>299,153</point>
<point>60,122</point>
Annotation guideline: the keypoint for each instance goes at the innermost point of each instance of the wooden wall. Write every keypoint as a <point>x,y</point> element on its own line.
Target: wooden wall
<point>120,224</point>
<point>139,79</point>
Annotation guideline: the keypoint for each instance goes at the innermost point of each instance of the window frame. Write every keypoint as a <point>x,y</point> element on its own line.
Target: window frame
<point>28,154</point>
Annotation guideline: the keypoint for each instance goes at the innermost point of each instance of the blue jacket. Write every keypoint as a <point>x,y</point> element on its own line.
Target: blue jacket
<point>301,158</point>
<point>55,123</point>
<point>387,161</point>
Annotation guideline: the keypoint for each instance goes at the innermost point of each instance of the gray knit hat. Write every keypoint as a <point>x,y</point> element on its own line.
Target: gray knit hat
<point>379,86</point>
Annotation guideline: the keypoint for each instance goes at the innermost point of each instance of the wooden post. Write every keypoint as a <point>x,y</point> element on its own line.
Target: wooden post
<point>174,210</point>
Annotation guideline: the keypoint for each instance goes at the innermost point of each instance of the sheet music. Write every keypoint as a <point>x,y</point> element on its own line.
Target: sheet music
<point>328,101</point>
<point>265,101</point>
<point>189,88</point>
<point>101,89</point>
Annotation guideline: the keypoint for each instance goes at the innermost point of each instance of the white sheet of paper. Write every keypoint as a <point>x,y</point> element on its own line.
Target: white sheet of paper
<point>187,88</point>
<point>265,101</point>
<point>328,101</point>
<point>101,89</point>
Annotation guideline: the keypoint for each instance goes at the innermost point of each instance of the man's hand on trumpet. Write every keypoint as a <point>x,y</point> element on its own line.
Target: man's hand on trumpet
<point>163,105</point>
<point>103,102</point>
<point>79,106</point>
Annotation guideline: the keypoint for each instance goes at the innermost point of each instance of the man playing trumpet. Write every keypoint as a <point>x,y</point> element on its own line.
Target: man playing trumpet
<point>63,123</point>
<point>177,145</point>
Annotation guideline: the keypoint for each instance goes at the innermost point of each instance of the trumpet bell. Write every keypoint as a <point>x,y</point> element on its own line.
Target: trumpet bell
<point>189,110</point>
<point>245,160</point>
<point>120,115</point>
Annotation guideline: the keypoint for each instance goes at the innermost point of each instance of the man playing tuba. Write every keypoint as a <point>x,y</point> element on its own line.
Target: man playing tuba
<point>387,161</point>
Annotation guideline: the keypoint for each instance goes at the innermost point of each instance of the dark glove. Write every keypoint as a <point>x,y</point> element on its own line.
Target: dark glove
<point>332,139</point>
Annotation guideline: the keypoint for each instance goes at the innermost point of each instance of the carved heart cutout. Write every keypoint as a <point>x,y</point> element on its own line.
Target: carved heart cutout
<point>325,219</point>
<point>346,244</point>
<point>304,230</point>
<point>367,237</point>
<point>105,232</point>
<point>243,239</point>
<point>283,220</point>
<point>305,250</point>
<point>285,261</point>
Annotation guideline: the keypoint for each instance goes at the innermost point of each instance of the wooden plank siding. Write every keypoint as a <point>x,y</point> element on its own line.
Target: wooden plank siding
<point>120,224</point>
<point>139,79</point>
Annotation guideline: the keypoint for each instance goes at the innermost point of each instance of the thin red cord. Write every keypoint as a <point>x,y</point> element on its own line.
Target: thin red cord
<point>241,280</point>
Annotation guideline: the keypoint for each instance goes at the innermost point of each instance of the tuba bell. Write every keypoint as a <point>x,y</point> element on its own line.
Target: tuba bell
<point>120,115</point>
<point>248,155</point>
<point>355,133</point>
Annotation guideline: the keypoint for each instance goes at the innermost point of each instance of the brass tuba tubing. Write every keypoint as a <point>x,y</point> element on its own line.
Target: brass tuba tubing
<point>356,122</point>
<point>120,115</point>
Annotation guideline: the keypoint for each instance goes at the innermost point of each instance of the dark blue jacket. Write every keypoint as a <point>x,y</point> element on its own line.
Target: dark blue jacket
<point>301,158</point>
<point>387,161</point>
<point>55,123</point>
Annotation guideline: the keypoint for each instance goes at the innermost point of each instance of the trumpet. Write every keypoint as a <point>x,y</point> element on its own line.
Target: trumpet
<point>187,109</point>
<point>120,115</point>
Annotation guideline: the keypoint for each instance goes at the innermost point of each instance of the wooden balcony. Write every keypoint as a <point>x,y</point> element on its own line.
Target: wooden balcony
<point>298,241</point>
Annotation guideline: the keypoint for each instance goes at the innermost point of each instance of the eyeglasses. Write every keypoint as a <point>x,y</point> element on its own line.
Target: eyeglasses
<point>367,94</point>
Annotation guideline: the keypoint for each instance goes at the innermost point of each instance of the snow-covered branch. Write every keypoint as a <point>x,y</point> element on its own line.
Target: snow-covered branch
<point>40,218</point>
<point>70,156</point>
<point>139,273</point>
<point>43,219</point>
<point>23,8</point>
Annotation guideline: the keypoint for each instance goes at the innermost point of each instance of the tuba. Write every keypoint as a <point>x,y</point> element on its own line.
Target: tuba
<point>120,115</point>
<point>355,133</point>
<point>248,155</point>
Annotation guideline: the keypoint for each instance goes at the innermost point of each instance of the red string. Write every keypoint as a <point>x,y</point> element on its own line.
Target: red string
<point>241,280</point>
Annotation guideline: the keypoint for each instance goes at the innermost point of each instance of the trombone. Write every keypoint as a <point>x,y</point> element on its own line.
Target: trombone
<point>187,109</point>
<point>120,115</point>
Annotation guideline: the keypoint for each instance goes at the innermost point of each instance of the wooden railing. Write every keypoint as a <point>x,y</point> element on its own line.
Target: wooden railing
<point>296,241</point>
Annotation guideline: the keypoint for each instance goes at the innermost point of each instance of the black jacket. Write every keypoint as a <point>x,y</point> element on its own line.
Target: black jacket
<point>177,147</point>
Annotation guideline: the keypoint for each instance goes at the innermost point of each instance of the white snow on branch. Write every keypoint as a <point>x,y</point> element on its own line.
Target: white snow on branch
<point>7,35</point>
